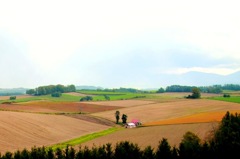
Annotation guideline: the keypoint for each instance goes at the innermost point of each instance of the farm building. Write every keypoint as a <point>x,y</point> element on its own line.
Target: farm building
<point>130,125</point>
<point>136,122</point>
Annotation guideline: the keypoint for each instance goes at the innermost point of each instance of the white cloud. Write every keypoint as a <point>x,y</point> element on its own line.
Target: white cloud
<point>79,35</point>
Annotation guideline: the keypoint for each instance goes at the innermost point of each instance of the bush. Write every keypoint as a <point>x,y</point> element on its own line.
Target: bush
<point>56,94</point>
<point>86,98</point>
<point>13,98</point>
<point>226,95</point>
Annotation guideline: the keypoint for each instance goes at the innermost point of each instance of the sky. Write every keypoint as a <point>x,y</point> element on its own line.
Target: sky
<point>115,43</point>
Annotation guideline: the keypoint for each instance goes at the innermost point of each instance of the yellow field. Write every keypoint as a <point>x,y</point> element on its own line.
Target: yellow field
<point>196,118</point>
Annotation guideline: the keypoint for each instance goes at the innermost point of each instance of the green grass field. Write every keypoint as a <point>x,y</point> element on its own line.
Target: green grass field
<point>235,99</point>
<point>93,92</point>
<point>99,95</point>
<point>63,98</point>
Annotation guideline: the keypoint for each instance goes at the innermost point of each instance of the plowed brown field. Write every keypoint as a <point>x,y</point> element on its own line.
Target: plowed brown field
<point>57,107</point>
<point>25,130</point>
<point>20,130</point>
<point>171,110</point>
<point>150,136</point>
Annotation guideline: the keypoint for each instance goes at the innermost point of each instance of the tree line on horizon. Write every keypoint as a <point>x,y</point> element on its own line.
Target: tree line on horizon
<point>44,90</point>
<point>224,142</point>
<point>51,89</point>
<point>203,89</point>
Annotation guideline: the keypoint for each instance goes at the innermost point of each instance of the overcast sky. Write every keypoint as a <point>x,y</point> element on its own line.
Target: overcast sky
<point>115,43</point>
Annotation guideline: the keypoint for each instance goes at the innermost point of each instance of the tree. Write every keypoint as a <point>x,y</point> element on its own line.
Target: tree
<point>164,150</point>
<point>126,149</point>
<point>12,97</point>
<point>190,146</point>
<point>117,115</point>
<point>30,91</point>
<point>196,93</point>
<point>56,94</point>
<point>148,153</point>
<point>124,118</point>
<point>160,90</point>
<point>106,97</point>
<point>226,140</point>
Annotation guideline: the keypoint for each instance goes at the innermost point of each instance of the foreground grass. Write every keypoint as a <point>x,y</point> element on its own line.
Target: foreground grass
<point>82,139</point>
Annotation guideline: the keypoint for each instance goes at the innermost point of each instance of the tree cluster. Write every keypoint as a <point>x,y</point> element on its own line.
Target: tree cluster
<point>205,89</point>
<point>130,90</point>
<point>224,143</point>
<point>50,89</point>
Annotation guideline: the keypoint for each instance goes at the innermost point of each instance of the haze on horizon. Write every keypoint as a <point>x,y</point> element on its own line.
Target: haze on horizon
<point>115,44</point>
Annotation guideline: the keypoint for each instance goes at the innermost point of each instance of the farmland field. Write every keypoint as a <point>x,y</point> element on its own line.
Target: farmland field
<point>145,136</point>
<point>44,120</point>
<point>171,110</point>
<point>24,130</point>
<point>122,103</point>
<point>56,107</point>
<point>235,99</point>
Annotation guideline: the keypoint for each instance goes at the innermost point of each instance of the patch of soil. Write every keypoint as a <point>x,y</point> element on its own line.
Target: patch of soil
<point>24,130</point>
<point>152,135</point>
<point>92,119</point>
<point>57,107</point>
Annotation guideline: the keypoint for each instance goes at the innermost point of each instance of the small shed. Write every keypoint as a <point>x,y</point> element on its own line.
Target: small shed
<point>130,125</point>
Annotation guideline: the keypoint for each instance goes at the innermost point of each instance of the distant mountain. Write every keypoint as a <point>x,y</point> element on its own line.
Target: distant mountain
<point>88,88</point>
<point>12,91</point>
<point>201,79</point>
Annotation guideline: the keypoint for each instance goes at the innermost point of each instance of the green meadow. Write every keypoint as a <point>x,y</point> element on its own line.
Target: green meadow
<point>235,99</point>
<point>63,98</point>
